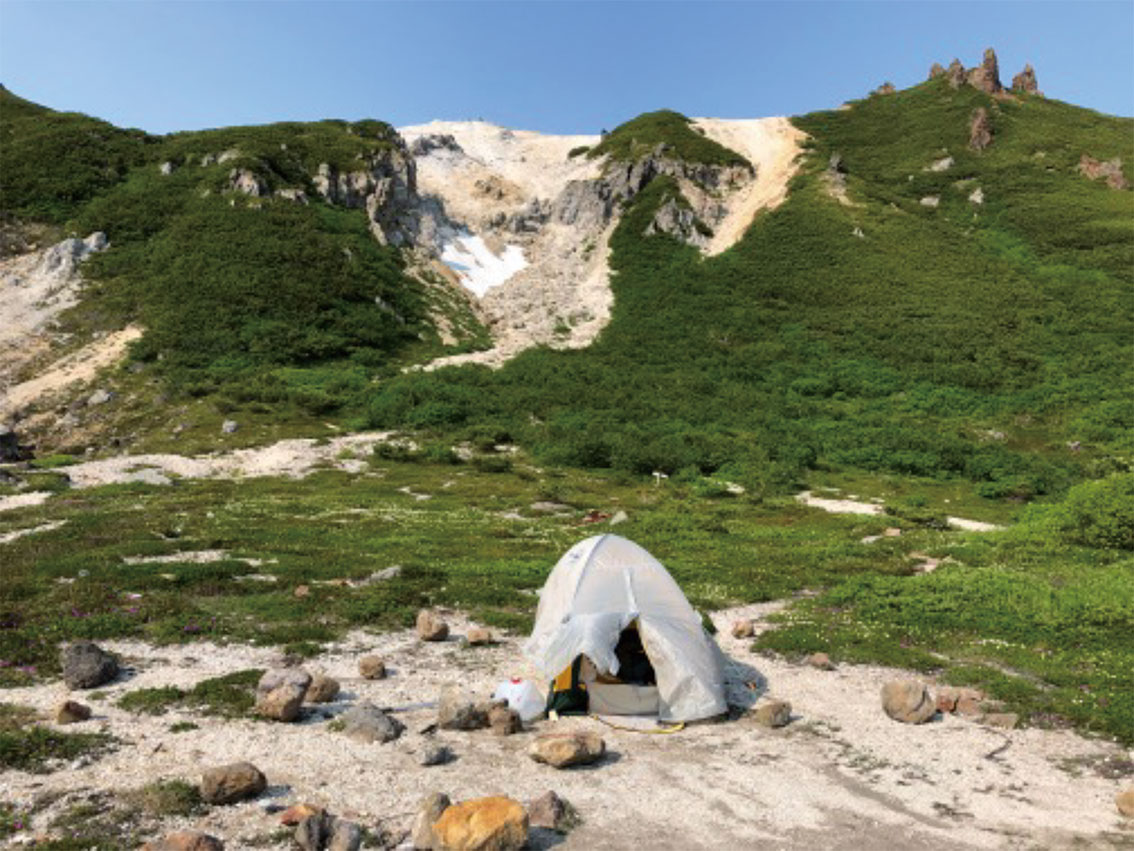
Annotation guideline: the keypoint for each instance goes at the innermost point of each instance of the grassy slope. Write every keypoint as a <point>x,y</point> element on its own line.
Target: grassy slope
<point>233,292</point>
<point>897,352</point>
<point>639,136</point>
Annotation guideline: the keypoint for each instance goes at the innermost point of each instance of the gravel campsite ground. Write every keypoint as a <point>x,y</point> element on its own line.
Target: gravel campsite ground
<point>840,775</point>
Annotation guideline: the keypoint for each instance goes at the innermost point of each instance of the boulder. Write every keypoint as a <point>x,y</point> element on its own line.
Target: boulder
<point>504,721</point>
<point>229,426</point>
<point>71,712</point>
<point>772,713</point>
<point>1025,81</point>
<point>908,701</point>
<point>478,635</point>
<point>744,628</point>
<point>1124,800</point>
<point>280,693</point>
<point>430,627</point>
<point>562,750</point>
<point>372,667</point>
<point>980,129</point>
<point>428,812</point>
<point>458,710</point>
<point>483,824</point>
<point>986,75</point>
<point>86,665</point>
<point>227,784</point>
<point>551,812</point>
<point>185,840</point>
<point>312,832</point>
<point>821,661</point>
<point>323,689</point>
<point>365,722</point>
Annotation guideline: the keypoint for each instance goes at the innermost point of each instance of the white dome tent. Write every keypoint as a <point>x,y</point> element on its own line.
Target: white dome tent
<point>604,585</point>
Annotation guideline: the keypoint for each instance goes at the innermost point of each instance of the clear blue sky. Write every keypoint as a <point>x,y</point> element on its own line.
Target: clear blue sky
<point>555,67</point>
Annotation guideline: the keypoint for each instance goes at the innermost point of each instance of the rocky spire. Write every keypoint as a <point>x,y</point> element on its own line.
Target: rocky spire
<point>986,76</point>
<point>1025,81</point>
<point>956,73</point>
<point>935,71</point>
<point>980,129</point>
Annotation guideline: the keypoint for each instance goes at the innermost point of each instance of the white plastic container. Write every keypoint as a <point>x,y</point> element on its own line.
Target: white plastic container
<point>523,696</point>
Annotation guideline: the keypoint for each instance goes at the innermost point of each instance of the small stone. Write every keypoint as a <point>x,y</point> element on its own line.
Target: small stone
<point>435,755</point>
<point>773,713</point>
<point>293,815</point>
<point>302,591</point>
<point>821,661</point>
<point>947,699</point>
<point>71,712</point>
<point>504,721</point>
<point>229,426</point>
<point>1124,800</point>
<point>976,196</point>
<point>428,812</point>
<point>185,840</point>
<point>1005,720</point>
<point>100,397</point>
<point>478,635</point>
<point>483,824</point>
<point>458,710</point>
<point>236,781</point>
<point>619,517</point>
<point>372,668</point>
<point>86,665</point>
<point>908,701</point>
<point>891,532</point>
<point>323,689</point>
<point>744,628</point>
<point>430,627</point>
<point>551,812</point>
<point>561,750</point>
<point>365,722</point>
<point>930,201</point>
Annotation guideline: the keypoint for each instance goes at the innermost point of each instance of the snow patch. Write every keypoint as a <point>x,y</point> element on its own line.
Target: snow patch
<point>477,267</point>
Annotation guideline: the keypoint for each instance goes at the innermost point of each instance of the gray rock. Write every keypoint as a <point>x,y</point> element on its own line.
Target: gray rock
<point>365,722</point>
<point>504,721</point>
<point>425,145</point>
<point>345,836</point>
<point>86,665</point>
<point>185,840</point>
<point>930,201</point>
<point>428,812</point>
<point>100,397</point>
<point>227,784</point>
<point>908,701</point>
<point>71,712</point>
<point>976,196</point>
<point>312,832</point>
<point>245,181</point>
<point>435,755</point>
<point>458,710</point>
<point>10,449</point>
<point>551,812</point>
<point>229,426</point>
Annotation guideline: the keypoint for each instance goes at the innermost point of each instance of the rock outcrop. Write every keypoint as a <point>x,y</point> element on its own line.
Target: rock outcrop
<point>956,73</point>
<point>1025,81</point>
<point>986,75</point>
<point>936,70</point>
<point>1111,170</point>
<point>980,129</point>
<point>386,187</point>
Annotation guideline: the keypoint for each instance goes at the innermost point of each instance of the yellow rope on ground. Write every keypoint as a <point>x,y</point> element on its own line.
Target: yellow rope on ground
<point>680,725</point>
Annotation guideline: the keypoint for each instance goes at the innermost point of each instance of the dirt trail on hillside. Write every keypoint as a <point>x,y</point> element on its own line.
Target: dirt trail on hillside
<point>842,775</point>
<point>770,144</point>
<point>852,506</point>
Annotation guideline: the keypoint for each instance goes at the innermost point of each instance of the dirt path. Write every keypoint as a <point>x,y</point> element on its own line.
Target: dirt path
<point>770,144</point>
<point>841,775</point>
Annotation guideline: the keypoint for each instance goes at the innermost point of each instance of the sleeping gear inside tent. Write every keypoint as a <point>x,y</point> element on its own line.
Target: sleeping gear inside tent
<point>616,636</point>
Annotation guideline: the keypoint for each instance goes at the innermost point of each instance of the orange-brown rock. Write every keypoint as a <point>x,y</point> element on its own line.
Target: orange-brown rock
<point>483,824</point>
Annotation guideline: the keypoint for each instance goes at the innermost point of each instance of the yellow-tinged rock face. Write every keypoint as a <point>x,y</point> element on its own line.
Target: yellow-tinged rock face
<point>483,824</point>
